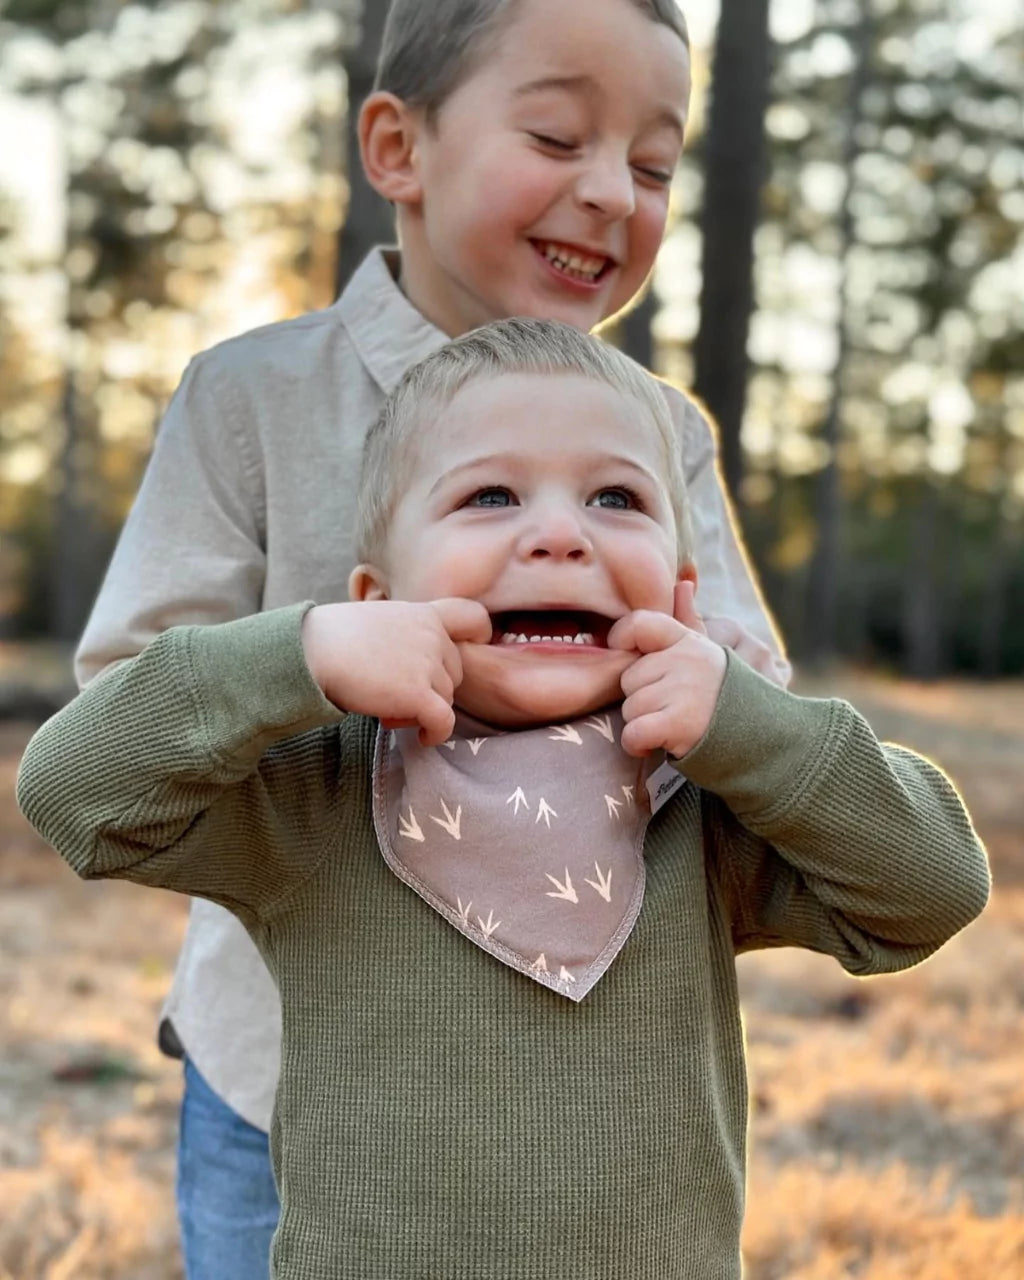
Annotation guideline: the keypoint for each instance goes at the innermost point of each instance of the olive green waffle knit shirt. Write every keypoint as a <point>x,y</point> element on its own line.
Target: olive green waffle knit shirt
<point>440,1116</point>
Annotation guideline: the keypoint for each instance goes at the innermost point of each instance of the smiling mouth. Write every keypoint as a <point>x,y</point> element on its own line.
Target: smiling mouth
<point>565,628</point>
<point>575,264</point>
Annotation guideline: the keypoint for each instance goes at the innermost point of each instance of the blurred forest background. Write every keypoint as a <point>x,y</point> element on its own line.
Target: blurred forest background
<point>841,283</point>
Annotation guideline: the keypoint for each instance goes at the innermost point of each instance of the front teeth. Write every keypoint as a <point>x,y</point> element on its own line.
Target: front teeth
<point>582,266</point>
<point>582,637</point>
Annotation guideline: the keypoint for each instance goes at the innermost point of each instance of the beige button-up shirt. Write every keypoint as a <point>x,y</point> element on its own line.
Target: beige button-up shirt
<point>248,504</point>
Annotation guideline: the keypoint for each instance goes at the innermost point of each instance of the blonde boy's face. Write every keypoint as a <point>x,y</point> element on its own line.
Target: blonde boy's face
<point>543,184</point>
<point>541,497</point>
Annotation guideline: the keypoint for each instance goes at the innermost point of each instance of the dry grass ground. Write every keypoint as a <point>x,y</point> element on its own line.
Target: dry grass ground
<point>888,1126</point>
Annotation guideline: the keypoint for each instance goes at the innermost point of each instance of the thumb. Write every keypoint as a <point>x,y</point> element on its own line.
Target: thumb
<point>464,620</point>
<point>683,608</point>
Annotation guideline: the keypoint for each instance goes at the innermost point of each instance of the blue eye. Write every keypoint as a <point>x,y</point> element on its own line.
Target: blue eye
<point>618,498</point>
<point>494,497</point>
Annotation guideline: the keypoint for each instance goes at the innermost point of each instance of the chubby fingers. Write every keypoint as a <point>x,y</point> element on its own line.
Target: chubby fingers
<point>458,619</point>
<point>647,733</point>
<point>645,631</point>
<point>436,719</point>
<point>684,609</point>
<point>466,621</point>
<point>463,621</point>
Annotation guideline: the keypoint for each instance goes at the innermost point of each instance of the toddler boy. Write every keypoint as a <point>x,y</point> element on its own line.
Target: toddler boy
<point>503,920</point>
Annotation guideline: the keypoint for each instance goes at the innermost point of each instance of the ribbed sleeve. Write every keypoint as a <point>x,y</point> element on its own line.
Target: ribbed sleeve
<point>829,839</point>
<point>158,768</point>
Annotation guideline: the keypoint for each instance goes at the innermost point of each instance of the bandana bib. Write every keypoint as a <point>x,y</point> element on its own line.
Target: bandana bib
<point>529,842</point>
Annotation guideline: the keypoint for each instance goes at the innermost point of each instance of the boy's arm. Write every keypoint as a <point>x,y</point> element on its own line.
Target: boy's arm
<point>827,838</point>
<point>183,767</point>
<point>191,550</point>
<point>727,587</point>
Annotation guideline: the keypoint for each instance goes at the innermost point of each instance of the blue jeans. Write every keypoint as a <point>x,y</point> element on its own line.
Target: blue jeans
<point>227,1201</point>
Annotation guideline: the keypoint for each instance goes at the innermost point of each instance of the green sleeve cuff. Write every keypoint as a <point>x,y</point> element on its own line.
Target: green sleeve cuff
<point>764,745</point>
<point>252,683</point>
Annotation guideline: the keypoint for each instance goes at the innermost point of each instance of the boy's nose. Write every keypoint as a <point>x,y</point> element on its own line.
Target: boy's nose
<point>606,186</point>
<point>556,536</point>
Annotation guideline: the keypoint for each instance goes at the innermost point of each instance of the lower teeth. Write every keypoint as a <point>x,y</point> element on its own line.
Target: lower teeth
<point>575,272</point>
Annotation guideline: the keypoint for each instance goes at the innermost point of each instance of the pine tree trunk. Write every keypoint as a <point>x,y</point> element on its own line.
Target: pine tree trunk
<point>734,163</point>
<point>635,337</point>
<point>368,220</point>
<point>76,569</point>
<point>922,634</point>
<point>826,563</point>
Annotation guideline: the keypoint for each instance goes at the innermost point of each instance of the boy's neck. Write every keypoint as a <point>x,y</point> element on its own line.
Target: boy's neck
<point>418,293</point>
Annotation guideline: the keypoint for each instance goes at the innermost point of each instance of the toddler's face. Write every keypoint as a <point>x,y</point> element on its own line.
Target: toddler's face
<point>545,178</point>
<point>540,496</point>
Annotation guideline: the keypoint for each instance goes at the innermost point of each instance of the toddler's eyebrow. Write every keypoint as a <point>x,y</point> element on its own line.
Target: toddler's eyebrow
<point>586,86</point>
<point>474,464</point>
<point>511,459</point>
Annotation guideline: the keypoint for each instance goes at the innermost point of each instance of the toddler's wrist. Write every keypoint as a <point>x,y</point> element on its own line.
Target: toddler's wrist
<point>323,645</point>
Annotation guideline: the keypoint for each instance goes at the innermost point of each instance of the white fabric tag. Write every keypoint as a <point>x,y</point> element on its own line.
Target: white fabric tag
<point>663,783</point>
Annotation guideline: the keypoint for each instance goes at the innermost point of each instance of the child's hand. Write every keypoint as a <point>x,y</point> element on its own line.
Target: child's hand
<point>672,688</point>
<point>395,659</point>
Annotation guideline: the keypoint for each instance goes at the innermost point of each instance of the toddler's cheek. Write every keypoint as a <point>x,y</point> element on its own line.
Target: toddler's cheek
<point>655,589</point>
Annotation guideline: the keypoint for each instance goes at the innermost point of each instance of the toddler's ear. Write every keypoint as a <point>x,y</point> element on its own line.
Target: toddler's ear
<point>366,582</point>
<point>387,145</point>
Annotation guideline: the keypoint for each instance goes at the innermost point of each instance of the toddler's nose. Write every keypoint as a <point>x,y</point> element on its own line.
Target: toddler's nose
<point>556,535</point>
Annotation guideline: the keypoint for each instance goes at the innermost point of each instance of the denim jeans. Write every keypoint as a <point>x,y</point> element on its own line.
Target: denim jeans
<point>227,1201</point>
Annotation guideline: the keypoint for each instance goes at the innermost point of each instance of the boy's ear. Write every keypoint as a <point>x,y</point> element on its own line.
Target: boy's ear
<point>388,130</point>
<point>366,582</point>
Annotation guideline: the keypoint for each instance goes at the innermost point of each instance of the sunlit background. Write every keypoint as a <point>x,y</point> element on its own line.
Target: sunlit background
<point>172,174</point>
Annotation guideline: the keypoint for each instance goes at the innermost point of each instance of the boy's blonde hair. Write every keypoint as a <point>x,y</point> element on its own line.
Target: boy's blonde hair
<point>431,46</point>
<point>507,346</point>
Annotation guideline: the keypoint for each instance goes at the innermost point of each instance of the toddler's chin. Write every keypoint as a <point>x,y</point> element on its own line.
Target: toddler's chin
<point>535,698</point>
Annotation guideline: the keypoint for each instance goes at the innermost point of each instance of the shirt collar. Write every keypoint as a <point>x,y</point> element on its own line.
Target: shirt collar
<point>387,331</point>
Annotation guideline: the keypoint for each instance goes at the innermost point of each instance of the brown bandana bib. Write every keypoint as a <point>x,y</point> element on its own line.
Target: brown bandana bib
<point>529,842</point>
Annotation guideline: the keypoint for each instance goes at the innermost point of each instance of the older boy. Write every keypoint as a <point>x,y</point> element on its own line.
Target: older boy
<point>450,1105</point>
<point>527,148</point>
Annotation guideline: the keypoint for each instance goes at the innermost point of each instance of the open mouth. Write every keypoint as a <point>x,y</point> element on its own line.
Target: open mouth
<point>573,263</point>
<point>566,628</point>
